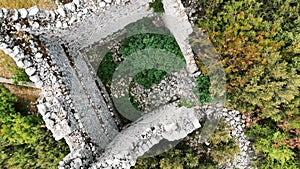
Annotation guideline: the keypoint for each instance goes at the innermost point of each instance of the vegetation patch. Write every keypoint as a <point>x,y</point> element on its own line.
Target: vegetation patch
<point>7,65</point>
<point>157,6</point>
<point>259,44</point>
<point>202,92</point>
<point>133,44</point>
<point>25,141</point>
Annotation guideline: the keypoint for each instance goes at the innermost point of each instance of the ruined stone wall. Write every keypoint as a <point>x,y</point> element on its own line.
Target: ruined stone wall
<point>148,131</point>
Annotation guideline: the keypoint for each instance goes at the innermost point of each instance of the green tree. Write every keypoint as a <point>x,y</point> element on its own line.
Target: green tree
<point>24,140</point>
<point>270,141</point>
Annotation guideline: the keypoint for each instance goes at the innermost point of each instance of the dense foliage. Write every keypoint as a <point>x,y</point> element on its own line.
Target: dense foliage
<point>25,141</point>
<point>137,43</point>
<point>259,44</point>
<point>202,92</point>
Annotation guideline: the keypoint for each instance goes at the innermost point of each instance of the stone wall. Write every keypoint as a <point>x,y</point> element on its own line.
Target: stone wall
<point>168,122</point>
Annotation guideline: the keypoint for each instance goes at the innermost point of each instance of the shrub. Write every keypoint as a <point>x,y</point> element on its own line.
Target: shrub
<point>148,77</point>
<point>24,140</point>
<point>157,6</point>
<point>106,69</point>
<point>270,141</point>
<point>202,92</point>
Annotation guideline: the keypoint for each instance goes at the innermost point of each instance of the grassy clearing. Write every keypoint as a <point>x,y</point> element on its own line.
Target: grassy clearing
<point>43,4</point>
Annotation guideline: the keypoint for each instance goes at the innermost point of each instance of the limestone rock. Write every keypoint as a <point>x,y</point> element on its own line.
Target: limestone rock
<point>70,7</point>
<point>15,16</point>
<point>61,11</point>
<point>49,123</point>
<point>33,11</point>
<point>35,25</point>
<point>108,1</point>
<point>38,55</point>
<point>30,71</point>
<point>42,109</point>
<point>102,4</point>
<point>20,64</point>
<point>34,78</point>
<point>58,24</point>
<point>4,12</point>
<point>1,14</point>
<point>39,84</point>
<point>23,13</point>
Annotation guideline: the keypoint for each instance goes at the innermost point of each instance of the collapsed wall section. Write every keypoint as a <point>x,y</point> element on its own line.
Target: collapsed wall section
<point>165,123</point>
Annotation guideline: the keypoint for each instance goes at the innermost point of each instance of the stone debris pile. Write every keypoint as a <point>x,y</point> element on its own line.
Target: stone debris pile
<point>236,125</point>
<point>146,132</point>
<point>237,121</point>
<point>179,85</point>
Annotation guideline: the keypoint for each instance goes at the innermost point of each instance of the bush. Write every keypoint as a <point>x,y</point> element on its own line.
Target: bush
<point>271,141</point>
<point>148,77</point>
<point>24,140</point>
<point>202,92</point>
<point>157,6</point>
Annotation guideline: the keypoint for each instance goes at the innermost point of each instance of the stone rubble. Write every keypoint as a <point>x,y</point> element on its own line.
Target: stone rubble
<point>236,123</point>
<point>166,90</point>
<point>147,132</point>
<point>177,86</point>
